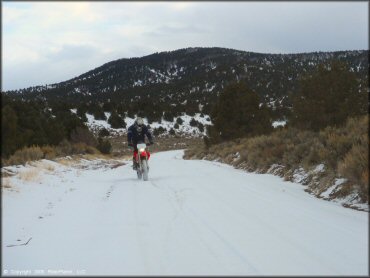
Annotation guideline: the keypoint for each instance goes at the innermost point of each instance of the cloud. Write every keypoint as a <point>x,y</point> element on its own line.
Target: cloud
<point>72,52</point>
<point>165,30</point>
<point>77,36</point>
<point>181,6</point>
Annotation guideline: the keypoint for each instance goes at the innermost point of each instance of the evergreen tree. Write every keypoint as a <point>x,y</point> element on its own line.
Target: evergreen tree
<point>193,122</point>
<point>8,131</point>
<point>104,146</point>
<point>168,116</point>
<point>179,121</point>
<point>116,121</point>
<point>172,131</point>
<point>83,135</point>
<point>328,97</point>
<point>107,107</point>
<point>81,112</point>
<point>55,132</point>
<point>201,127</point>
<point>98,112</point>
<point>69,121</point>
<point>104,132</point>
<point>238,114</point>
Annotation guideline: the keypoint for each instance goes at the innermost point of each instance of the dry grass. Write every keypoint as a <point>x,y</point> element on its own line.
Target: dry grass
<point>25,155</point>
<point>66,162</point>
<point>44,165</point>
<point>30,175</point>
<point>35,153</point>
<point>67,148</point>
<point>354,167</point>
<point>49,152</point>
<point>6,183</point>
<point>50,167</point>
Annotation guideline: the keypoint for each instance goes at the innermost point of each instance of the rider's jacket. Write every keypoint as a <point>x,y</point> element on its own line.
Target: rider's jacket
<point>137,134</point>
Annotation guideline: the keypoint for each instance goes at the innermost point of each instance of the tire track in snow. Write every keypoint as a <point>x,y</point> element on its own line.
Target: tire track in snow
<point>139,235</point>
<point>153,260</point>
<point>172,196</point>
<point>226,243</point>
<point>169,224</point>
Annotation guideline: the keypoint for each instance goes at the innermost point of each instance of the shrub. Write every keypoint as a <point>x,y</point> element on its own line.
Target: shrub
<point>206,142</point>
<point>83,117</point>
<point>355,167</point>
<point>78,148</point>
<point>201,127</point>
<point>172,131</point>
<point>193,122</point>
<point>91,150</point>
<point>64,148</point>
<point>49,152</point>
<point>116,121</point>
<point>99,114</point>
<point>83,135</point>
<point>176,126</point>
<point>158,131</point>
<point>179,121</point>
<point>104,146</point>
<point>168,116</point>
<point>26,154</point>
<point>104,132</point>
<point>81,112</point>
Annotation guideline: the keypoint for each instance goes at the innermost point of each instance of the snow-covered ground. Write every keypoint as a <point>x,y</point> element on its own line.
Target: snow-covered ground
<point>193,217</point>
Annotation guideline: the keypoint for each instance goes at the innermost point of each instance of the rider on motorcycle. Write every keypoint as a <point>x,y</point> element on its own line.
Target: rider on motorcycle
<point>136,134</point>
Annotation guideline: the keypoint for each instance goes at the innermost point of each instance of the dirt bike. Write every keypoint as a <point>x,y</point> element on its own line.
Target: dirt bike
<point>142,161</point>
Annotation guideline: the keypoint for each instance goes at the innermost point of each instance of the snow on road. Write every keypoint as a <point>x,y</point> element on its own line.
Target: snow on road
<point>190,218</point>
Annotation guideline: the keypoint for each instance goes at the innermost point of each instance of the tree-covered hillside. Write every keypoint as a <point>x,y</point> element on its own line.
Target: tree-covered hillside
<point>189,80</point>
<point>163,86</point>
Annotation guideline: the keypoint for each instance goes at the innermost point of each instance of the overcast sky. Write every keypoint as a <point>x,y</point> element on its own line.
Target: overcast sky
<point>50,42</point>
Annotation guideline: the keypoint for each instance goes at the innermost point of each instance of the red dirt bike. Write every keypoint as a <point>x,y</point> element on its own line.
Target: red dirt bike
<point>142,157</point>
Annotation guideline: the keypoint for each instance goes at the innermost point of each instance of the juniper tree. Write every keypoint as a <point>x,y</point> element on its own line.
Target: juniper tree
<point>116,121</point>
<point>328,97</point>
<point>238,113</point>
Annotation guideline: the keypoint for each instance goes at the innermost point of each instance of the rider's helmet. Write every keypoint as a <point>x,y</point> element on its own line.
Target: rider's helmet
<point>139,124</point>
<point>139,121</point>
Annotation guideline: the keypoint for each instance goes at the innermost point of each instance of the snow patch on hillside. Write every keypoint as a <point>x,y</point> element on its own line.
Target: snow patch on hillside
<point>276,124</point>
<point>184,128</point>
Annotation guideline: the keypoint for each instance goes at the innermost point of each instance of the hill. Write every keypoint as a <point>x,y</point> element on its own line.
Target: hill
<point>189,80</point>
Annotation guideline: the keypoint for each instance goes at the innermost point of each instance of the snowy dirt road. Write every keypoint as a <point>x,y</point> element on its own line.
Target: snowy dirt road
<point>190,218</point>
